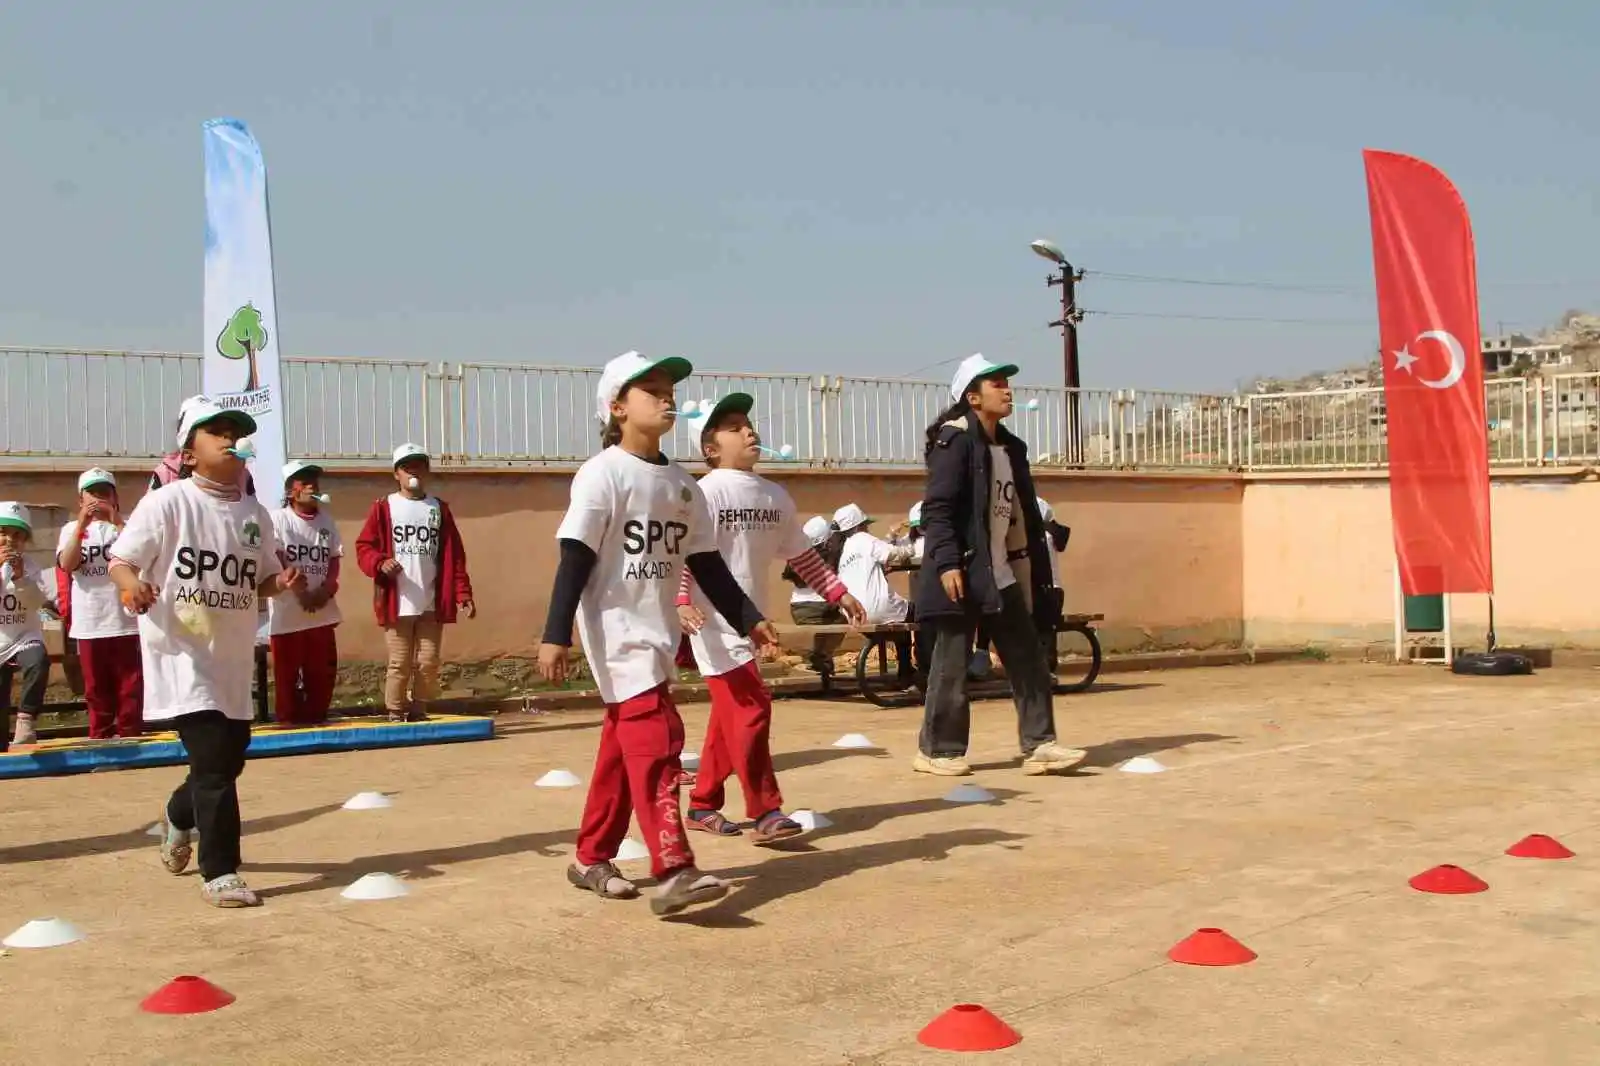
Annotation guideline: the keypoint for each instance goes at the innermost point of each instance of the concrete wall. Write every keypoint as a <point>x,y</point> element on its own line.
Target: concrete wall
<point>1172,561</point>
<point>1319,562</point>
<point>1159,556</point>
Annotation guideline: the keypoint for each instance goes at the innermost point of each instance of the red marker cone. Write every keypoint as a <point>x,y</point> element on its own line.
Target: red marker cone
<point>968,1027</point>
<point>186,995</point>
<point>1448,880</point>
<point>1210,947</point>
<point>1539,846</point>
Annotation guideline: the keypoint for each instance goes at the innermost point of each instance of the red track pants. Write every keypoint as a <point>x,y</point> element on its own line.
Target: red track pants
<point>113,686</point>
<point>738,742</point>
<point>304,666</point>
<point>636,772</point>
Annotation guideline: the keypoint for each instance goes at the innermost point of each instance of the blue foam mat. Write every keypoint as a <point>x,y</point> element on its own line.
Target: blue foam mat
<point>87,756</point>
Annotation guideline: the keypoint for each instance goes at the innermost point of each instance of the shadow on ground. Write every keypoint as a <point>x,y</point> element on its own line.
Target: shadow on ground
<point>410,865</point>
<point>1114,751</point>
<point>762,883</point>
<point>133,839</point>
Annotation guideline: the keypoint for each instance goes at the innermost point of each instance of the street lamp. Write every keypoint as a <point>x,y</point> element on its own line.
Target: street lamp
<point>1068,324</point>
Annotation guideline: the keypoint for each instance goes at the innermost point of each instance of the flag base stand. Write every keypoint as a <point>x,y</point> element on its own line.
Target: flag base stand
<point>1422,628</point>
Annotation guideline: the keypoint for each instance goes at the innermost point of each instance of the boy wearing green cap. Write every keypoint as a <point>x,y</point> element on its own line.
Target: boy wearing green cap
<point>23,589</point>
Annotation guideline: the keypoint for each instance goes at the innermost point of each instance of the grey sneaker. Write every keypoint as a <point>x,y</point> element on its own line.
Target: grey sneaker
<point>1052,758</point>
<point>941,765</point>
<point>176,846</point>
<point>229,890</point>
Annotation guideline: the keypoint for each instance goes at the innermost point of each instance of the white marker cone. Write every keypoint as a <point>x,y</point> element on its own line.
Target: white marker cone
<point>853,740</point>
<point>1142,764</point>
<point>811,820</point>
<point>44,933</point>
<point>968,794</point>
<point>630,850</point>
<point>368,801</point>
<point>377,886</point>
<point>558,779</point>
<point>690,760</point>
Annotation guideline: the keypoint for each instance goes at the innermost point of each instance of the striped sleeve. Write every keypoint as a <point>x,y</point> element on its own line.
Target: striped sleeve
<point>684,588</point>
<point>816,573</point>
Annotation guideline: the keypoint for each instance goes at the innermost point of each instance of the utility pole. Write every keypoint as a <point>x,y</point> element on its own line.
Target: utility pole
<point>1071,315</point>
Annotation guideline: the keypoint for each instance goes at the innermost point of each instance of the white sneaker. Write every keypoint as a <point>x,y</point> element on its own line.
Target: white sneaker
<point>229,890</point>
<point>1052,758</point>
<point>25,734</point>
<point>941,765</point>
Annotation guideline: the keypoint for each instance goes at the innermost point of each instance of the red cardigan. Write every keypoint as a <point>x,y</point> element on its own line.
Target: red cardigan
<point>376,543</point>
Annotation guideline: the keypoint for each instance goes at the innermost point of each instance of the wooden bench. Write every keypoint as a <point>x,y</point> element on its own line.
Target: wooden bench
<point>884,690</point>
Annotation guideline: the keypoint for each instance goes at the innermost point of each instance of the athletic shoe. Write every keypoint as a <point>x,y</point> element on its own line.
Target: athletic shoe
<point>229,890</point>
<point>941,765</point>
<point>176,846</point>
<point>1052,758</point>
<point>25,733</point>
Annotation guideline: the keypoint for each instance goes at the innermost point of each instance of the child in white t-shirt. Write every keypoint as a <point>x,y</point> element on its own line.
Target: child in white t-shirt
<point>191,562</point>
<point>305,653</point>
<point>862,569</point>
<point>23,590</point>
<point>635,521</point>
<point>105,632</point>
<point>756,525</point>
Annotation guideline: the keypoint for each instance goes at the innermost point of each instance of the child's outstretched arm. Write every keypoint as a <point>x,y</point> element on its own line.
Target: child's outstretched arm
<point>572,574</point>
<point>689,616</point>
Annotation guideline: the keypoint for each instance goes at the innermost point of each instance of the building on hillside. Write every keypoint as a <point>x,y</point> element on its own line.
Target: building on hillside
<point>1505,350</point>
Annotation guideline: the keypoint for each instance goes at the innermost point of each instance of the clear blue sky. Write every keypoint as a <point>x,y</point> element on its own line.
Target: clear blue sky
<point>804,186</point>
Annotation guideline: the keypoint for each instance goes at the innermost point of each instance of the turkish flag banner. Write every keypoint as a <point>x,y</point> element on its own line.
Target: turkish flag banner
<point>1426,271</point>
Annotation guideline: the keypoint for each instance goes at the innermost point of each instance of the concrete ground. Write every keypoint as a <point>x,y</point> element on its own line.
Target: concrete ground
<point>1298,801</point>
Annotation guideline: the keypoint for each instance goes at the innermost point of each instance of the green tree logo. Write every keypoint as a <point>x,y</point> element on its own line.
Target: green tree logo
<point>251,534</point>
<point>242,338</point>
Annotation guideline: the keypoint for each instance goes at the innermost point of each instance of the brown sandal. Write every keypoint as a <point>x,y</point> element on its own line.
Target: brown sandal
<point>598,878</point>
<point>712,822</point>
<point>773,827</point>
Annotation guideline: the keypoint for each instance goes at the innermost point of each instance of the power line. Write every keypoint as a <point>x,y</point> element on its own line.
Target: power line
<point>1235,318</point>
<point>1272,286</point>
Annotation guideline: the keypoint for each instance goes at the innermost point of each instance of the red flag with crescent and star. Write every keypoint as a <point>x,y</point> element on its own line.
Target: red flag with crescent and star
<point>1426,270</point>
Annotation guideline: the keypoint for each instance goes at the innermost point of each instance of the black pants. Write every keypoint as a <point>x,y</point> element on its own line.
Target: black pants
<point>208,799</point>
<point>33,663</point>
<point>947,717</point>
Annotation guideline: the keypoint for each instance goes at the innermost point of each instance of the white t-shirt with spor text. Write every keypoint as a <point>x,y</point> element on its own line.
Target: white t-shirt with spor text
<point>1002,512</point>
<point>861,569</point>
<point>97,610</point>
<point>643,521</point>
<point>206,557</point>
<point>19,609</point>
<point>755,525</point>
<point>416,526</point>
<point>311,544</point>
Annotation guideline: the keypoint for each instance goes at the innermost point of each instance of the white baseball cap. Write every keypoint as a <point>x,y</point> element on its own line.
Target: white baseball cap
<point>974,367</point>
<point>816,530</point>
<point>96,476</point>
<point>15,515</point>
<point>915,516</point>
<point>629,367</point>
<point>198,410</point>
<point>295,466</point>
<point>1046,512</point>
<point>409,450</point>
<point>849,517</point>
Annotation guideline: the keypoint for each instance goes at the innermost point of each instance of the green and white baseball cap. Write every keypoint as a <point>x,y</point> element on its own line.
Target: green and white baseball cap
<point>708,411</point>
<point>629,367</point>
<point>15,515</point>
<point>96,476</point>
<point>851,516</point>
<point>914,519</point>
<point>200,410</point>
<point>299,466</point>
<point>974,367</point>
<point>409,450</point>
